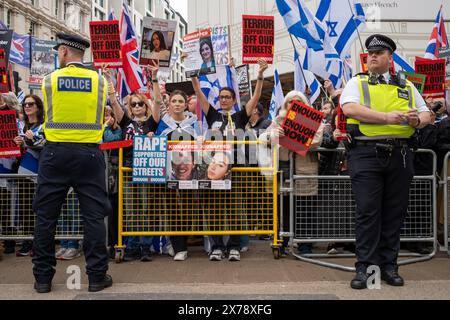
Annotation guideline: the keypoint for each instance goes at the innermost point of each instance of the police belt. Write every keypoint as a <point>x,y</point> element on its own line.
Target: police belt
<point>389,142</point>
<point>74,144</point>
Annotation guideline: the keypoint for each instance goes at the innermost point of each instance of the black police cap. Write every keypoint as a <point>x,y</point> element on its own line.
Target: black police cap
<point>71,40</point>
<point>378,42</point>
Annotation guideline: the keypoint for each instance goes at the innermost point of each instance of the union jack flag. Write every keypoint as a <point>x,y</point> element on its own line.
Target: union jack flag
<point>130,77</point>
<point>438,38</point>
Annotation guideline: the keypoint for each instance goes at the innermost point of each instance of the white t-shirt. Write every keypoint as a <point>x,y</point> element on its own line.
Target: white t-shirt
<point>351,94</point>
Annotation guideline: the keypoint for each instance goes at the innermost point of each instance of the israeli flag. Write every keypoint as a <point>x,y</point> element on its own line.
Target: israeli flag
<point>311,80</point>
<point>401,63</point>
<point>211,84</point>
<point>301,23</point>
<point>343,18</point>
<point>277,97</point>
<point>327,65</point>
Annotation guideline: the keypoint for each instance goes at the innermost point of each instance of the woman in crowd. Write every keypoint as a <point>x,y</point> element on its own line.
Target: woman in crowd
<point>30,138</point>
<point>142,118</point>
<point>8,102</point>
<point>207,53</point>
<point>305,191</point>
<point>158,48</point>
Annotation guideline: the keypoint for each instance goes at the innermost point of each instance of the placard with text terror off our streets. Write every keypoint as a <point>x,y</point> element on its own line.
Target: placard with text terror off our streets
<point>105,43</point>
<point>257,38</point>
<point>300,127</point>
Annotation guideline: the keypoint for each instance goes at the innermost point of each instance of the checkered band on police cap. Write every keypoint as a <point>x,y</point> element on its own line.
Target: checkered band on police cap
<point>72,44</point>
<point>379,41</point>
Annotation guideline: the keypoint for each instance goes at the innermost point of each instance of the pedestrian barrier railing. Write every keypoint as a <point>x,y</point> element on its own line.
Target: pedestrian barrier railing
<point>16,210</point>
<point>328,216</point>
<point>250,207</point>
<point>446,211</point>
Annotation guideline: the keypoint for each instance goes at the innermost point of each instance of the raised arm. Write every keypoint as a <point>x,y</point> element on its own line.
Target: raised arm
<point>251,105</point>
<point>157,98</point>
<point>118,111</point>
<point>201,98</point>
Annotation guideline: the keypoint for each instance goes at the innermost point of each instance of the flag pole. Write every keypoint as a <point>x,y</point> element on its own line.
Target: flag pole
<point>298,60</point>
<point>301,68</point>
<point>356,27</point>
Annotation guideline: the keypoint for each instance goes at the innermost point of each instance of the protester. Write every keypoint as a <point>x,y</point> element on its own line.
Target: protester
<point>306,191</point>
<point>31,138</point>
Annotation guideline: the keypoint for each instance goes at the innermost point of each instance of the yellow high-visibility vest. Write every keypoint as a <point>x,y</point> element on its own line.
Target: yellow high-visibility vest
<point>74,104</point>
<point>385,98</point>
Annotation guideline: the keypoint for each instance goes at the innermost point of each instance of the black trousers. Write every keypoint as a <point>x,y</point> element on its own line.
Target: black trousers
<point>82,167</point>
<point>380,181</point>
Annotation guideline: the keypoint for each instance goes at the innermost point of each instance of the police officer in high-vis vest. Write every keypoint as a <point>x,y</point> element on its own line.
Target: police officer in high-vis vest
<point>383,111</point>
<point>74,101</point>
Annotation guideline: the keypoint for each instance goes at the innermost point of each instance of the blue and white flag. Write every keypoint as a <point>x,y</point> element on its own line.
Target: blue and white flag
<point>344,19</point>
<point>401,63</point>
<point>301,23</point>
<point>211,84</point>
<point>326,65</point>
<point>20,48</point>
<point>311,80</point>
<point>277,97</point>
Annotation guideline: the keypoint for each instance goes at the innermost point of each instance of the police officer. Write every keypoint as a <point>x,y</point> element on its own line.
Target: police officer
<point>74,101</point>
<point>384,110</point>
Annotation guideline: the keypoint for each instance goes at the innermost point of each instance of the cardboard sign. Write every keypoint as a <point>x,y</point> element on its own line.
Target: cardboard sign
<point>300,127</point>
<point>220,37</point>
<point>105,43</point>
<point>158,36</point>
<point>417,79</point>
<point>42,62</point>
<point>200,53</point>
<point>243,80</point>
<point>444,53</point>
<point>8,131</point>
<point>258,38</point>
<point>3,72</point>
<point>435,72</point>
<point>149,159</point>
<point>365,69</point>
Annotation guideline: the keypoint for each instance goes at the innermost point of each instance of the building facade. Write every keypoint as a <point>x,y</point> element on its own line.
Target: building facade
<point>43,19</point>
<point>158,9</point>
<point>407,22</point>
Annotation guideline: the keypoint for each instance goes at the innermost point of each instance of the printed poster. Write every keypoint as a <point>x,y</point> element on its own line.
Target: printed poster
<point>258,38</point>
<point>300,127</point>
<point>220,37</point>
<point>42,62</point>
<point>200,58</point>
<point>3,72</point>
<point>444,53</point>
<point>8,131</point>
<point>149,159</point>
<point>417,79</point>
<point>435,72</point>
<point>105,43</point>
<point>158,36</point>
<point>244,84</point>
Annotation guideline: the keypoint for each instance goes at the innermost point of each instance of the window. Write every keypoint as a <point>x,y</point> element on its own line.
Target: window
<point>56,8</point>
<point>33,28</point>
<point>181,31</point>
<point>9,18</point>
<point>167,14</point>
<point>66,6</point>
<point>150,5</point>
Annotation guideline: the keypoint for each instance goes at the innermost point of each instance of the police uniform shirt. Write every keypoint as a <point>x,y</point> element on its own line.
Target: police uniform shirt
<point>218,120</point>
<point>351,94</point>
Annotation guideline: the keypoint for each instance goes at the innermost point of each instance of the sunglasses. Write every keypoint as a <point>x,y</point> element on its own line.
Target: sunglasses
<point>135,104</point>
<point>28,104</point>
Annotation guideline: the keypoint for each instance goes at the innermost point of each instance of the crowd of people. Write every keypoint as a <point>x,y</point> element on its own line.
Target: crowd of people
<point>175,113</point>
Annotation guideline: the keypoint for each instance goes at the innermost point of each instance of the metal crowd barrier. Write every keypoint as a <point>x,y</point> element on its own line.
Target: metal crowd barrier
<point>446,179</point>
<point>16,213</point>
<point>250,207</point>
<point>329,216</point>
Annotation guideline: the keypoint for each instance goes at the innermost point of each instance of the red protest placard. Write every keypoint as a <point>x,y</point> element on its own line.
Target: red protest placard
<point>8,131</point>
<point>105,43</point>
<point>3,72</point>
<point>435,72</point>
<point>257,38</point>
<point>300,127</point>
<point>341,121</point>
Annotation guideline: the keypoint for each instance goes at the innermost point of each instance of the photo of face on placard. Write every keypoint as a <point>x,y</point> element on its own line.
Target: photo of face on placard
<point>157,46</point>
<point>219,167</point>
<point>207,54</point>
<point>182,166</point>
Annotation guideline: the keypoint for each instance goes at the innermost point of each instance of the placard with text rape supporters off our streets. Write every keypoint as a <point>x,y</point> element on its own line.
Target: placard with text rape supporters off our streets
<point>149,159</point>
